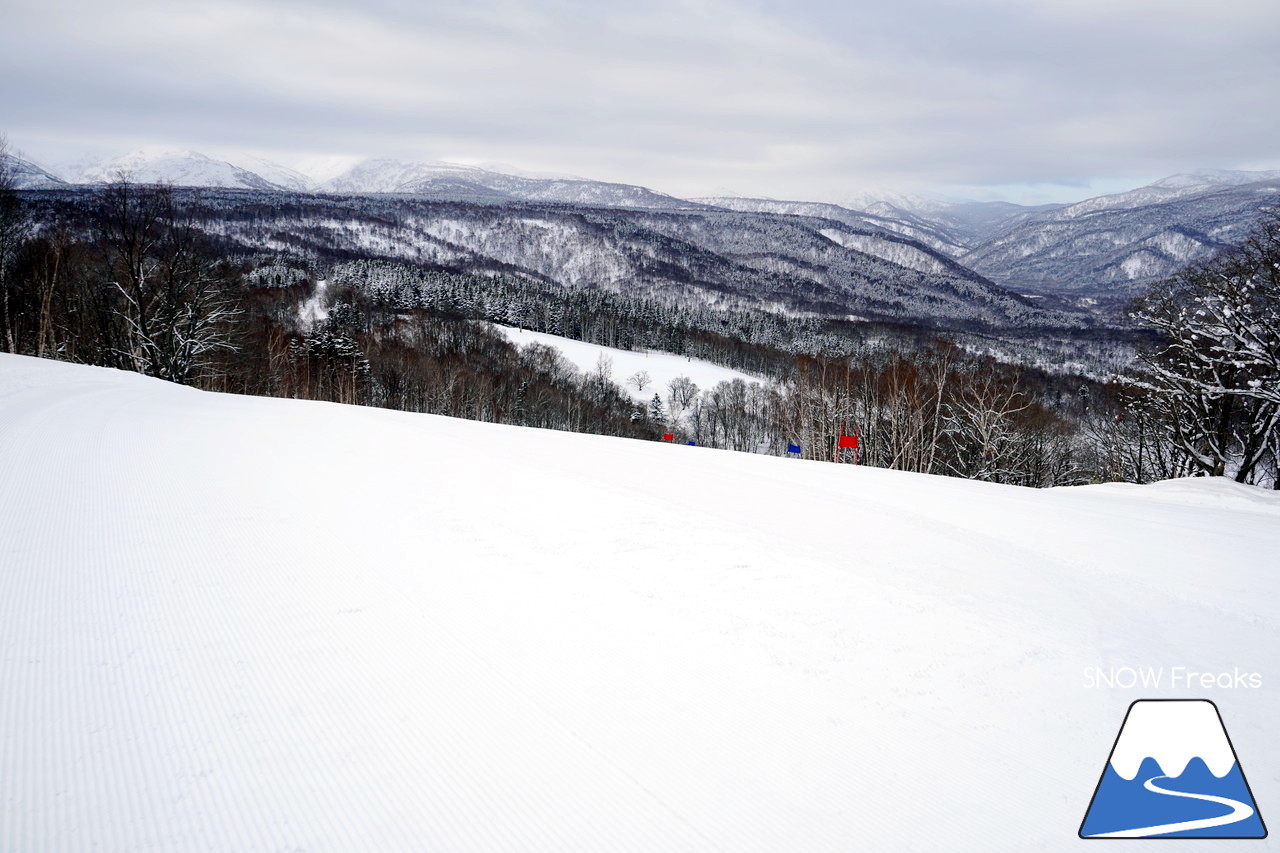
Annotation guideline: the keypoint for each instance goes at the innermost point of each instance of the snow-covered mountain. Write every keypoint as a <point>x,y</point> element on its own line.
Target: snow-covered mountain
<point>703,255</point>
<point>1167,189</point>
<point>910,226</point>
<point>1105,248</point>
<point>954,227</point>
<point>972,222</point>
<point>892,203</point>
<point>972,225</point>
<point>1215,178</point>
<point>274,173</point>
<point>243,623</point>
<point>177,166</point>
<point>1116,244</point>
<point>27,175</point>
<point>377,175</point>
<point>451,180</point>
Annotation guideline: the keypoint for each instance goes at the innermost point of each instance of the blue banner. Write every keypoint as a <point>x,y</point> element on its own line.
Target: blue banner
<point>693,444</point>
<point>793,448</point>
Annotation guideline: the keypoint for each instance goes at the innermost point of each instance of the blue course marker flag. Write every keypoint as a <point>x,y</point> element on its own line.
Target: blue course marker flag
<point>793,448</point>
<point>693,444</point>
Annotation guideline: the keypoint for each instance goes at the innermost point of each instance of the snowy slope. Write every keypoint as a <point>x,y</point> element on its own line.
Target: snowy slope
<point>177,166</point>
<point>377,175</point>
<point>249,624</point>
<point>928,234</point>
<point>1217,178</point>
<point>471,182</point>
<point>1166,189</point>
<point>662,367</point>
<point>274,173</point>
<point>1117,244</point>
<point>27,175</point>
<point>892,202</point>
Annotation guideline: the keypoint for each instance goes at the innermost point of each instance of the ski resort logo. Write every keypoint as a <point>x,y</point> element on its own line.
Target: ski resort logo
<point>1173,773</point>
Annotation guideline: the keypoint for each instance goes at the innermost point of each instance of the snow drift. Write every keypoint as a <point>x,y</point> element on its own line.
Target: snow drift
<point>250,624</point>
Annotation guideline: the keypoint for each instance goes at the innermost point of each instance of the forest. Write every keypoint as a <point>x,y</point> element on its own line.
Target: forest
<point>134,277</point>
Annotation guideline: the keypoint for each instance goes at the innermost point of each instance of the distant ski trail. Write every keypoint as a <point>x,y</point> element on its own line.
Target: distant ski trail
<point>1240,812</point>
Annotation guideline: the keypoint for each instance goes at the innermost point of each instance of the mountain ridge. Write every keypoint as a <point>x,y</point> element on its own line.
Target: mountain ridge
<point>1098,251</point>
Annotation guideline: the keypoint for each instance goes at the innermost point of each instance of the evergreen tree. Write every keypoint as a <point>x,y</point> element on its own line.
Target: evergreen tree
<point>657,413</point>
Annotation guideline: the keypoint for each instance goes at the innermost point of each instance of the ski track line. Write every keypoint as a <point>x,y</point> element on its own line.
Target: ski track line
<point>1239,812</point>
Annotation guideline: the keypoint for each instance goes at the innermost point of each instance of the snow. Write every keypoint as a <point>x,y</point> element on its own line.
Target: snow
<point>237,623</point>
<point>396,176</point>
<point>27,174</point>
<point>275,173</point>
<point>902,254</point>
<point>1139,264</point>
<point>312,310</point>
<point>1216,178</point>
<point>161,164</point>
<point>662,367</point>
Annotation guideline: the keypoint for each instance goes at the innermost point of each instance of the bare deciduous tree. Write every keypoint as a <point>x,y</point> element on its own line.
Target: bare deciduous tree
<point>172,304</point>
<point>15,226</point>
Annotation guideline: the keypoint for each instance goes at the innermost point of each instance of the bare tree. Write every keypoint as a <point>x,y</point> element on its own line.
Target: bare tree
<point>171,307</point>
<point>15,227</point>
<point>682,391</point>
<point>981,419</point>
<point>639,380</point>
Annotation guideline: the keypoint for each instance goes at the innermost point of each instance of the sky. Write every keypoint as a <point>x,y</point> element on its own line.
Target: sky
<point>1023,100</point>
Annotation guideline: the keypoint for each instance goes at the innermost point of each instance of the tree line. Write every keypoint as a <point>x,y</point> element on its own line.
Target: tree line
<point>137,286</point>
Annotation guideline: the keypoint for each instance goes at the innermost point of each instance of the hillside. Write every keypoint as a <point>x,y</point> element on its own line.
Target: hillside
<point>929,234</point>
<point>246,623</point>
<point>1115,246</point>
<point>180,167</point>
<point>27,175</point>
<point>662,367</point>
<point>980,261</point>
<point>470,183</point>
<point>718,258</point>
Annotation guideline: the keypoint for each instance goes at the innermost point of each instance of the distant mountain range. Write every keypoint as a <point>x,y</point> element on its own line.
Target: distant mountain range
<point>439,180</point>
<point>1114,246</point>
<point>1103,249</point>
<point>174,166</point>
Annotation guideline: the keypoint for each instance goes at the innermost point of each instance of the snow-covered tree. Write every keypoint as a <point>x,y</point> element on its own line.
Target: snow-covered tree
<point>657,412</point>
<point>171,304</point>
<point>1215,375</point>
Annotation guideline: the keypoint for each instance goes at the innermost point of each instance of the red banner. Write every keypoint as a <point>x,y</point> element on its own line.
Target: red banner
<point>849,441</point>
<point>667,436</point>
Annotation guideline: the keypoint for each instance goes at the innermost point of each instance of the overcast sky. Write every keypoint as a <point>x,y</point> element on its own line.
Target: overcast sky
<point>1029,100</point>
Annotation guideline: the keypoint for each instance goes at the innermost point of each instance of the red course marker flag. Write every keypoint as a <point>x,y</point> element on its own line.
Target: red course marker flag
<point>849,441</point>
<point>666,436</point>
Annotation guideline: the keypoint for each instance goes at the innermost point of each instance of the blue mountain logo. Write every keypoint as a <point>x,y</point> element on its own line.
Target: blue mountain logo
<point>1173,773</point>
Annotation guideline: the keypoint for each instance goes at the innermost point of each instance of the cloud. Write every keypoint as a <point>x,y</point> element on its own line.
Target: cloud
<point>813,100</point>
